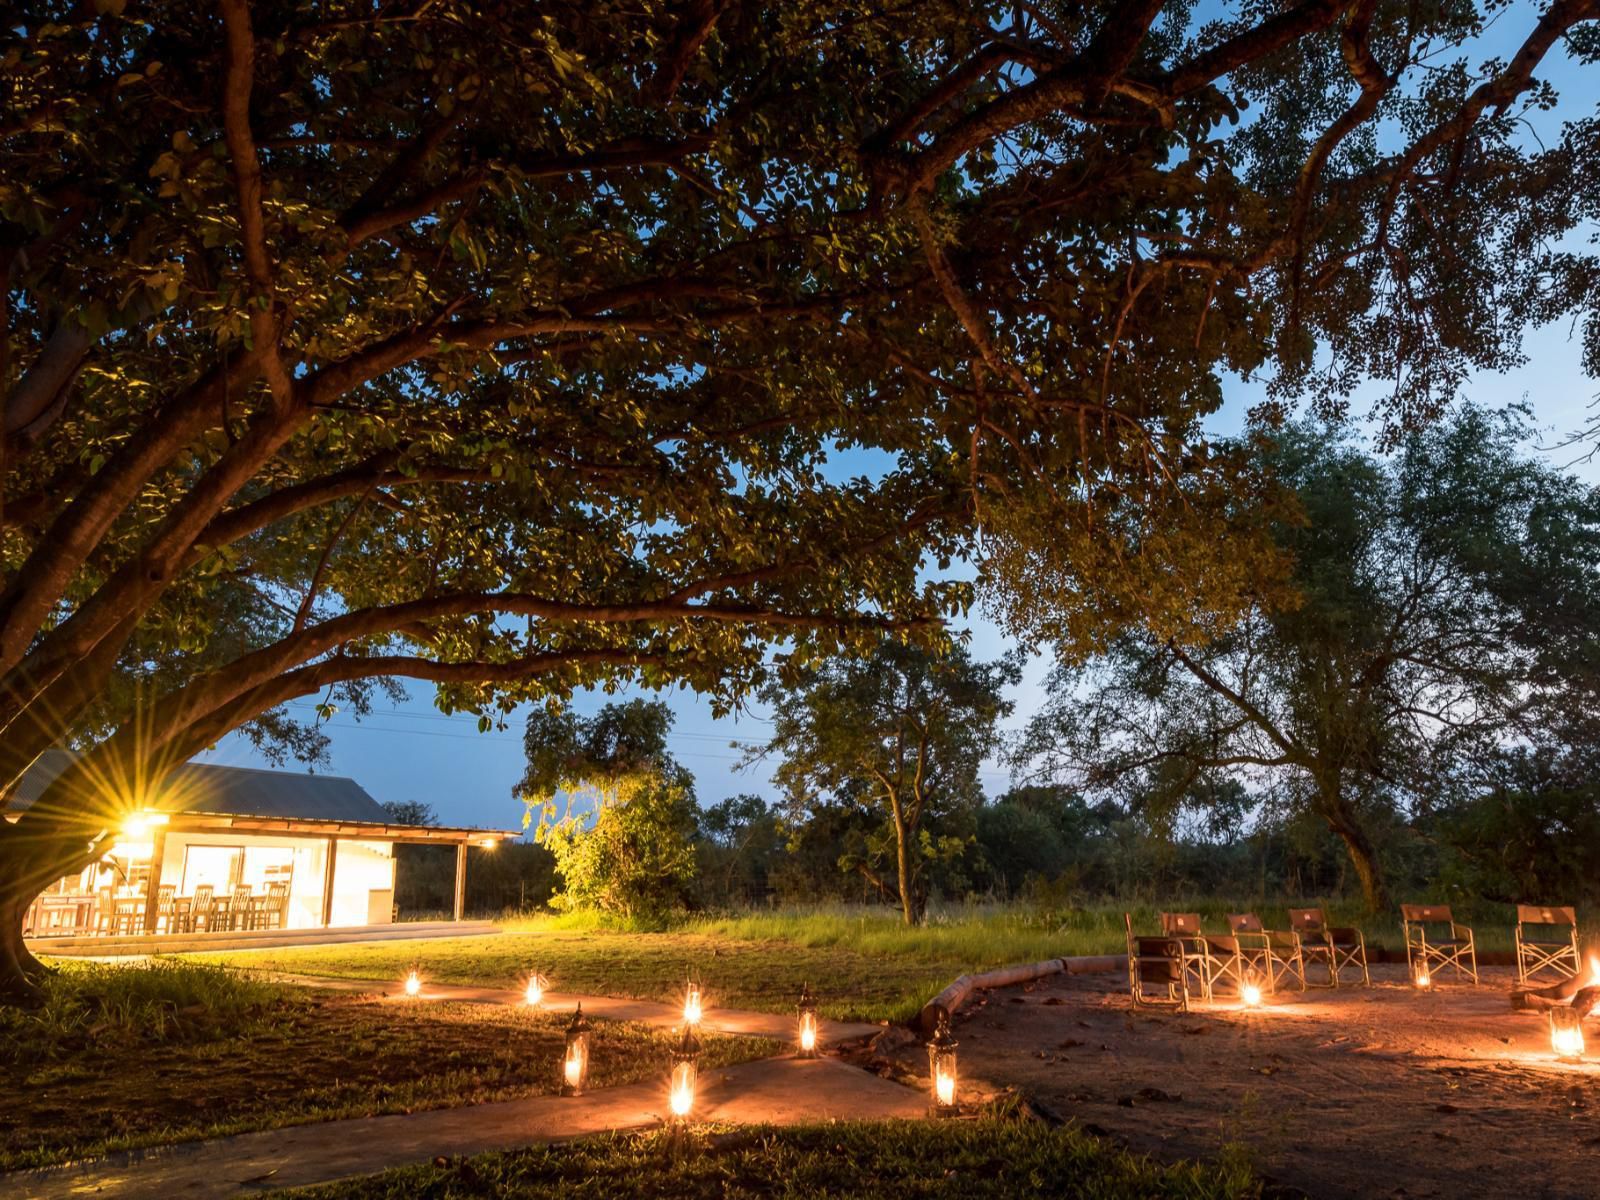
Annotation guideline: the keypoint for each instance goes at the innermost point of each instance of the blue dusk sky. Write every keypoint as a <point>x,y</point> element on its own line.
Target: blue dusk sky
<point>414,752</point>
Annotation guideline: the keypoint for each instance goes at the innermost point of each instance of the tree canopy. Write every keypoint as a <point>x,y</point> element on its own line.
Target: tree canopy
<point>1442,605</point>
<point>900,735</point>
<point>513,352</point>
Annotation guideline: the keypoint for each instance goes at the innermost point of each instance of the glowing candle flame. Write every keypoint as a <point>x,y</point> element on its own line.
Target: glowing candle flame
<point>1250,994</point>
<point>808,1037</point>
<point>574,1068</point>
<point>1567,1043</point>
<point>682,1097</point>
<point>691,1005</point>
<point>1424,980</point>
<point>535,992</point>
<point>944,1089</point>
<point>413,984</point>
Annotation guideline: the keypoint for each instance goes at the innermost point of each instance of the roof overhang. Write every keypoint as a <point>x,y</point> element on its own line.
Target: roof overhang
<point>443,835</point>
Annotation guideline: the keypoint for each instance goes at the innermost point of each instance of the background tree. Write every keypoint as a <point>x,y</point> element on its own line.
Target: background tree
<point>1421,631</point>
<point>511,355</point>
<point>901,735</point>
<point>612,806</point>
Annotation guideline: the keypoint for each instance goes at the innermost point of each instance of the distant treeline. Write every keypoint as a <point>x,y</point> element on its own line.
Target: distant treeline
<point>1535,837</point>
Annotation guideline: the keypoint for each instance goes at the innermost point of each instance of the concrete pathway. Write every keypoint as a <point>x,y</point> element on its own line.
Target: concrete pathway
<point>649,1012</point>
<point>781,1091</point>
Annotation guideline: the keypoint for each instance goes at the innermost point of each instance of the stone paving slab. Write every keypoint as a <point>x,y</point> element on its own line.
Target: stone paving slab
<point>780,1091</point>
<point>649,1012</point>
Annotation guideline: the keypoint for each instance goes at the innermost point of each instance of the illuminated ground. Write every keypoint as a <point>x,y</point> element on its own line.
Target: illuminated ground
<point>1356,1093</point>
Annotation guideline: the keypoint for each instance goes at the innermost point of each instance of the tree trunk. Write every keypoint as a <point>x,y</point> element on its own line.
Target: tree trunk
<point>902,849</point>
<point>20,972</point>
<point>1363,855</point>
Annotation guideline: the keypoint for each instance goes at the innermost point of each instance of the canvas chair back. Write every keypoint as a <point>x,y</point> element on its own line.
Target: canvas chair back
<point>1427,914</point>
<point>1307,920</point>
<point>1244,923</point>
<point>1180,924</point>
<point>1533,914</point>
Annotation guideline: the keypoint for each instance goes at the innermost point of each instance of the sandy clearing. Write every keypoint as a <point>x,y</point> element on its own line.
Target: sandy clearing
<point>1351,1093</point>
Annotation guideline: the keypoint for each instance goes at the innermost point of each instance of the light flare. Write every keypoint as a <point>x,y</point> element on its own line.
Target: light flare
<point>1250,994</point>
<point>944,1089</point>
<point>413,984</point>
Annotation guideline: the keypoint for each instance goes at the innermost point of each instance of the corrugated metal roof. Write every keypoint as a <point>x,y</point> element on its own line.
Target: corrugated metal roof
<point>231,791</point>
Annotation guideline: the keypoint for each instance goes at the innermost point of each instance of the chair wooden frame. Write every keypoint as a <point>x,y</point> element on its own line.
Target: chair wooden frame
<point>1459,951</point>
<point>1156,962</point>
<point>1336,948</point>
<point>1274,954</point>
<point>1536,954</point>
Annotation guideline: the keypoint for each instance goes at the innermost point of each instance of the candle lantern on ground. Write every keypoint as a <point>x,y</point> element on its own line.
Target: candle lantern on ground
<point>413,983</point>
<point>1250,991</point>
<point>575,1062</point>
<point>692,1008</point>
<point>1566,1033</point>
<point>1423,980</point>
<point>808,1023</point>
<point>534,993</point>
<point>685,1074</point>
<point>942,1069</point>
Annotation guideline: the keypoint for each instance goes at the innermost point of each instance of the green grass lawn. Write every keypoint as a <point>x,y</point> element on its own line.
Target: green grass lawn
<point>864,964</point>
<point>953,1160</point>
<point>140,1056</point>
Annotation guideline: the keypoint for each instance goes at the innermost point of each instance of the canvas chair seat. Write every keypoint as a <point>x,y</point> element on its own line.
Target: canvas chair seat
<point>1337,948</point>
<point>1273,954</point>
<point>1547,942</point>
<point>1458,951</point>
<point>1158,971</point>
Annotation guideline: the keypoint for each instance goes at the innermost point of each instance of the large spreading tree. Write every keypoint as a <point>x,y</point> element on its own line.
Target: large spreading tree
<point>1443,608</point>
<point>510,350</point>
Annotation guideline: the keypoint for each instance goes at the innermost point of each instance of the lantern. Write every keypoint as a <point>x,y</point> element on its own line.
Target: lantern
<point>1250,992</point>
<point>1424,981</point>
<point>575,1063</point>
<point>942,1069</point>
<point>691,1004</point>
<point>413,983</point>
<point>1566,1033</point>
<point>685,1073</point>
<point>808,1023</point>
<point>535,990</point>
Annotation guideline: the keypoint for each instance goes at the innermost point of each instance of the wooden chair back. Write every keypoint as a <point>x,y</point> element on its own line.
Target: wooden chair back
<point>202,900</point>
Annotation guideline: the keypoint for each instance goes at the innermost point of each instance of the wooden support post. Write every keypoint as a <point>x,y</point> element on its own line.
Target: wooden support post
<point>327,883</point>
<point>461,879</point>
<point>152,891</point>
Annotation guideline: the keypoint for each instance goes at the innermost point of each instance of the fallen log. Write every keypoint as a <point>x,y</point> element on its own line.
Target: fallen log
<point>960,990</point>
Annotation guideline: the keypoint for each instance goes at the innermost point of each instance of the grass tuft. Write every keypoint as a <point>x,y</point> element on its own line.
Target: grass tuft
<point>896,1160</point>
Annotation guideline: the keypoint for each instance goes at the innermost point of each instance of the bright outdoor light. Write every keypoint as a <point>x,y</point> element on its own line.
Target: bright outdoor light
<point>942,1069</point>
<point>575,1061</point>
<point>685,1073</point>
<point>1250,993</point>
<point>489,844</point>
<point>692,1008</point>
<point>1566,1033</point>
<point>808,1023</point>
<point>138,825</point>
<point>1424,980</point>
<point>413,983</point>
<point>535,990</point>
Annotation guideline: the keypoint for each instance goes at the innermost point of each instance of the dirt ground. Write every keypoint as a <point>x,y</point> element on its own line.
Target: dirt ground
<point>1380,1092</point>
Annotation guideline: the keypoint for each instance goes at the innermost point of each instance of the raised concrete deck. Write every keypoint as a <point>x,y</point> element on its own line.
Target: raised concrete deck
<point>98,946</point>
<point>775,1091</point>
